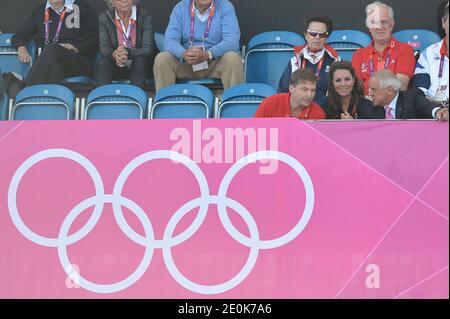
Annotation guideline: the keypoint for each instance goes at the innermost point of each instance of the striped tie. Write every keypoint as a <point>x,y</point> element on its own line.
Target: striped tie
<point>387,110</point>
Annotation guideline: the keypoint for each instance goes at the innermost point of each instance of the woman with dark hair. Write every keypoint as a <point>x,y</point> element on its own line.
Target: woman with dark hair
<point>126,43</point>
<point>346,94</point>
<point>315,55</point>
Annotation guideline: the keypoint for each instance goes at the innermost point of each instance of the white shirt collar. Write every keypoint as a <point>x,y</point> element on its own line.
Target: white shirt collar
<point>205,16</point>
<point>393,105</point>
<point>308,55</point>
<point>437,48</point>
<point>132,17</point>
<point>68,4</point>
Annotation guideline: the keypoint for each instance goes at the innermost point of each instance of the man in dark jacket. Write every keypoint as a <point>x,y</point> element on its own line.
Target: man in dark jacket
<point>126,43</point>
<point>67,32</point>
<point>390,103</point>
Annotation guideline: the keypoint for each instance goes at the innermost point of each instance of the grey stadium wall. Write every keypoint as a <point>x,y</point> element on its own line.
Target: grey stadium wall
<point>256,16</point>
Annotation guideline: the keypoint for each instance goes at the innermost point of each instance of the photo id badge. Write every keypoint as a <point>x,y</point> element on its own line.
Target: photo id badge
<point>200,67</point>
<point>441,94</point>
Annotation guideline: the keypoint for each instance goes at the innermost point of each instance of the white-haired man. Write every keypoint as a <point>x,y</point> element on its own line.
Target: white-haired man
<point>385,52</point>
<point>390,103</point>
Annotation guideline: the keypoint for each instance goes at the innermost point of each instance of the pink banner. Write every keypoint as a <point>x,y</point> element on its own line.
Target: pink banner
<point>269,208</point>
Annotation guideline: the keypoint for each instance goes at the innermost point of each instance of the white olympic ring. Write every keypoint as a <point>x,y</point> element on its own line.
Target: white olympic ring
<point>149,242</point>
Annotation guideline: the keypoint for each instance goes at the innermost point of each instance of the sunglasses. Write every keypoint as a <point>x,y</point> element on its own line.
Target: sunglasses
<point>315,34</point>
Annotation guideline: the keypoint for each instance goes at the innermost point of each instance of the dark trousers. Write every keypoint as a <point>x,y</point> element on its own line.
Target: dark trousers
<point>106,71</point>
<point>56,63</point>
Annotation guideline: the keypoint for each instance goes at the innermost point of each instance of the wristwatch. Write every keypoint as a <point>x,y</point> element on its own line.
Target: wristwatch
<point>210,55</point>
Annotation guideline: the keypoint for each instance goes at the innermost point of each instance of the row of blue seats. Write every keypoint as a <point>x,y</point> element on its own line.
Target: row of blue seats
<point>265,57</point>
<point>124,101</point>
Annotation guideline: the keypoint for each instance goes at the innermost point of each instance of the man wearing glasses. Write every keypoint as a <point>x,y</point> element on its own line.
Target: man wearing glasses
<point>385,52</point>
<point>315,55</point>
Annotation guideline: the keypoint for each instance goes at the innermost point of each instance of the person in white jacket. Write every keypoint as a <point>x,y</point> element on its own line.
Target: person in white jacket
<point>432,73</point>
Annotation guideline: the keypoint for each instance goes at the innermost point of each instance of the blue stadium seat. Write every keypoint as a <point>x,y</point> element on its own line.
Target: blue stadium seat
<point>346,42</point>
<point>9,61</point>
<point>44,102</point>
<point>159,41</point>
<point>242,101</point>
<point>207,82</point>
<point>3,106</point>
<point>183,101</point>
<point>78,80</point>
<point>116,101</point>
<point>419,39</point>
<point>268,54</point>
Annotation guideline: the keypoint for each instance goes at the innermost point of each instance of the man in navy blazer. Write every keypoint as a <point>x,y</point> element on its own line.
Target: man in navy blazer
<point>390,103</point>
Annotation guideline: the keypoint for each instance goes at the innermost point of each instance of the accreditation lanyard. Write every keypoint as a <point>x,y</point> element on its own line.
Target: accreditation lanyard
<point>319,67</point>
<point>208,25</point>
<point>441,66</point>
<point>47,26</point>
<point>385,63</point>
<point>128,39</point>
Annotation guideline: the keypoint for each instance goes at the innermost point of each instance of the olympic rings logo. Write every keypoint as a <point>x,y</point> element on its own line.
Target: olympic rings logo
<point>149,242</point>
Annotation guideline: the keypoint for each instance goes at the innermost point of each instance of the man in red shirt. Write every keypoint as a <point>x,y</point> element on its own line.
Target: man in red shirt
<point>298,102</point>
<point>385,52</point>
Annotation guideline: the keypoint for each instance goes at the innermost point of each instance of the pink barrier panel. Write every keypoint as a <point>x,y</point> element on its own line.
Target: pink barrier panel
<point>224,209</point>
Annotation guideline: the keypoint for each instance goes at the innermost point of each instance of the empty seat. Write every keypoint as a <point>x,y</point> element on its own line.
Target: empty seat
<point>419,39</point>
<point>44,102</point>
<point>346,42</point>
<point>9,61</point>
<point>242,101</point>
<point>268,54</point>
<point>159,41</point>
<point>183,101</point>
<point>116,101</point>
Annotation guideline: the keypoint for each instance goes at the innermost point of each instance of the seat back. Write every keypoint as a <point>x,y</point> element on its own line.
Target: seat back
<point>3,106</point>
<point>268,54</point>
<point>242,101</point>
<point>116,101</point>
<point>44,102</point>
<point>159,41</point>
<point>183,101</point>
<point>347,42</point>
<point>9,61</point>
<point>418,39</point>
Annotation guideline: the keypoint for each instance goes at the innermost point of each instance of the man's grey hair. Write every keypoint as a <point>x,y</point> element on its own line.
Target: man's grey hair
<point>387,79</point>
<point>110,3</point>
<point>373,8</point>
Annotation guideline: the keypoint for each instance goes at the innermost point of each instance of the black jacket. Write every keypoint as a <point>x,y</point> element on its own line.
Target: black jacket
<point>411,104</point>
<point>144,35</point>
<point>365,110</point>
<point>84,38</point>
